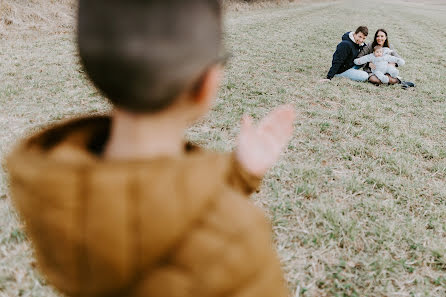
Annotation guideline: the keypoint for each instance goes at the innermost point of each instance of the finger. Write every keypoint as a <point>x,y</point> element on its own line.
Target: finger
<point>280,118</point>
<point>288,106</point>
<point>278,127</point>
<point>246,130</point>
<point>246,123</point>
<point>288,114</point>
<point>286,110</point>
<point>246,119</point>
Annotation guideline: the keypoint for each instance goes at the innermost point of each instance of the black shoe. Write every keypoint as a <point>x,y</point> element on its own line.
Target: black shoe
<point>407,84</point>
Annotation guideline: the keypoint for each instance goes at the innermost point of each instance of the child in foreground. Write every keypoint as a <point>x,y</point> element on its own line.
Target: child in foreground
<point>121,205</point>
<point>381,58</point>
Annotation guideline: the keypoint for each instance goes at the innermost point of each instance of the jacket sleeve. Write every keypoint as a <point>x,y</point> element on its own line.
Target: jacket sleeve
<point>363,60</point>
<point>393,52</point>
<point>339,57</point>
<point>365,50</point>
<point>240,179</point>
<point>392,59</point>
<point>210,170</point>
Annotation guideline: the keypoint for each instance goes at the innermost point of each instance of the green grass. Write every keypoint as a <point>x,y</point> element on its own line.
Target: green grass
<point>358,201</point>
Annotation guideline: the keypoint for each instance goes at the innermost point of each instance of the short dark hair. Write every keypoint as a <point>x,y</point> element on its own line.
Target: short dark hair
<point>142,54</point>
<point>363,29</point>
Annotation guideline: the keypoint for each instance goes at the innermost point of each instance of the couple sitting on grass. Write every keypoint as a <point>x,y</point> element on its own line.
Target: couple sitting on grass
<point>379,59</point>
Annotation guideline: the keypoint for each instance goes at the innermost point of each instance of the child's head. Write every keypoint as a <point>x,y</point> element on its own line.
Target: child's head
<point>143,54</point>
<point>378,51</point>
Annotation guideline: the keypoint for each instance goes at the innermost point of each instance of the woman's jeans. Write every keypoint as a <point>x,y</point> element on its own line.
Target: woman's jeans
<point>355,74</point>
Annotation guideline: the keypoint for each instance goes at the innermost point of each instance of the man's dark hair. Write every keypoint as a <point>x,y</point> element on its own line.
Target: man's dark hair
<point>142,54</point>
<point>386,42</point>
<point>363,29</point>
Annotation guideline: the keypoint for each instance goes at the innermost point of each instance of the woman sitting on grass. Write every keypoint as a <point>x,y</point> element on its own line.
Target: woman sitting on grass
<point>382,40</point>
<point>384,63</point>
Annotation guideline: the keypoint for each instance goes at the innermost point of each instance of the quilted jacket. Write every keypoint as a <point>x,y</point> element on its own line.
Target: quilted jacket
<point>164,227</point>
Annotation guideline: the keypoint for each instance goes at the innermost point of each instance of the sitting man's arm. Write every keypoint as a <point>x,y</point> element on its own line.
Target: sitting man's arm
<point>339,57</point>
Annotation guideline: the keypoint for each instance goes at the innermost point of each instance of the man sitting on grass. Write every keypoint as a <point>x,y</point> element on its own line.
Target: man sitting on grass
<point>347,51</point>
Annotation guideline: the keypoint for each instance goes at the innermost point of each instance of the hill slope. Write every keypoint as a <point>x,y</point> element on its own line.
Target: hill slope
<point>358,201</point>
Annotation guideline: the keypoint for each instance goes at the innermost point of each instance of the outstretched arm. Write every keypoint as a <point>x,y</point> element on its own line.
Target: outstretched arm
<point>259,147</point>
<point>394,53</point>
<point>363,60</point>
<point>393,59</point>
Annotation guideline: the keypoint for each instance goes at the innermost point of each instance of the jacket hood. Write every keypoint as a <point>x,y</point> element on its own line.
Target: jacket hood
<point>348,36</point>
<point>95,223</point>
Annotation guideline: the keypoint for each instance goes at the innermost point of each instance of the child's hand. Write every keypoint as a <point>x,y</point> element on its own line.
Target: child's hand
<point>260,147</point>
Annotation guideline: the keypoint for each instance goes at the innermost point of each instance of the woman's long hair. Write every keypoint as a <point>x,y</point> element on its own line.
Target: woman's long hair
<point>386,43</point>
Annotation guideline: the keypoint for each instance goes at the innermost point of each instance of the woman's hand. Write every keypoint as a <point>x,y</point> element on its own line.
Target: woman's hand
<point>260,147</point>
<point>392,64</point>
<point>372,66</point>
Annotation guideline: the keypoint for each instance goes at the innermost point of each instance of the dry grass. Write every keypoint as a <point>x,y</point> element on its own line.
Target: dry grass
<point>243,6</point>
<point>31,17</point>
<point>358,202</point>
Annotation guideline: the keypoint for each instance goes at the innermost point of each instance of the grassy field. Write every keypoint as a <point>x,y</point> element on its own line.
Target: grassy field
<point>358,201</point>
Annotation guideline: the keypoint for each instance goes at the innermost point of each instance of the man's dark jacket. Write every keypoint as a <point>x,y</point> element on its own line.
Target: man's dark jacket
<point>345,53</point>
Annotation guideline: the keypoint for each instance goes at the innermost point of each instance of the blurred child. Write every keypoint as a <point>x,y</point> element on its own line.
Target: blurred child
<point>122,205</point>
<point>381,58</point>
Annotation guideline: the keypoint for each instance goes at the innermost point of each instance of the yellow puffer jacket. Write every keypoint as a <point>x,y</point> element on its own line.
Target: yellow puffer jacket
<point>165,227</point>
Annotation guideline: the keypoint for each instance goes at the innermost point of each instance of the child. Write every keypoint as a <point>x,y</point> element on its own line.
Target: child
<point>120,205</point>
<point>381,59</point>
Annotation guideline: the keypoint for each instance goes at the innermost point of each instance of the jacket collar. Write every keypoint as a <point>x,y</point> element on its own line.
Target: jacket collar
<point>352,38</point>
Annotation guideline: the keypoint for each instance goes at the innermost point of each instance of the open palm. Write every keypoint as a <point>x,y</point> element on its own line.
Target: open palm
<point>260,147</point>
